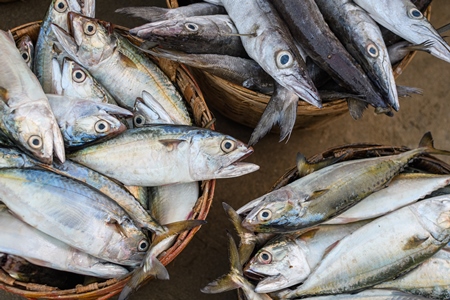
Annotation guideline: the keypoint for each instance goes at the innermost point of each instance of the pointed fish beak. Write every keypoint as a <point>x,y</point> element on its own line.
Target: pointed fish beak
<point>236,169</point>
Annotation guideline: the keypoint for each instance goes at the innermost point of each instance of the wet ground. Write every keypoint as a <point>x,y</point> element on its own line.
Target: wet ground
<point>205,258</point>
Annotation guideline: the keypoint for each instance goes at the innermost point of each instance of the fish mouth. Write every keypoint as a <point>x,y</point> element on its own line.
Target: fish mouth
<point>235,170</point>
<point>254,275</point>
<point>306,92</point>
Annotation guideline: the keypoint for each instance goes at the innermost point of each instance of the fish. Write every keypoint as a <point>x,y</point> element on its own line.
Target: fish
<point>363,40</point>
<point>212,34</point>
<point>179,153</point>
<point>428,279</point>
<point>404,19</point>
<point>120,67</point>
<point>371,294</point>
<point>323,194</point>
<point>287,260</point>
<point>26,117</point>
<point>404,189</point>
<point>46,48</point>
<point>380,250</point>
<point>235,278</point>
<point>71,79</point>
<point>155,14</point>
<point>84,121</point>
<point>26,49</point>
<point>327,52</point>
<point>74,213</point>
<point>242,71</point>
<point>48,251</point>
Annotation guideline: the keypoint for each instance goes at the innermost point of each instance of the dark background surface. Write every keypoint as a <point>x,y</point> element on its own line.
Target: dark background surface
<point>205,258</point>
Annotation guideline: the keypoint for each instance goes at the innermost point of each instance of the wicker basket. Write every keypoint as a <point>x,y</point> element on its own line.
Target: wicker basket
<point>106,289</point>
<point>246,106</point>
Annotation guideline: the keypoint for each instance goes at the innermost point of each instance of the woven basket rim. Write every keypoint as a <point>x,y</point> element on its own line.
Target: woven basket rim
<point>188,86</point>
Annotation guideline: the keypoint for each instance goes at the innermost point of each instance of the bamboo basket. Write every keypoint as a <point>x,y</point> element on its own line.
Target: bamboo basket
<point>188,87</point>
<point>246,106</point>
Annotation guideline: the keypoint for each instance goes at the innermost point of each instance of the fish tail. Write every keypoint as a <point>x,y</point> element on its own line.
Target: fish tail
<point>425,47</point>
<point>407,91</point>
<point>231,280</point>
<point>356,108</point>
<point>248,238</point>
<point>305,167</point>
<point>427,142</point>
<point>151,13</point>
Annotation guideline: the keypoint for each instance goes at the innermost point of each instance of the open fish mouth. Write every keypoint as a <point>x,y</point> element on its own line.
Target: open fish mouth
<point>254,275</point>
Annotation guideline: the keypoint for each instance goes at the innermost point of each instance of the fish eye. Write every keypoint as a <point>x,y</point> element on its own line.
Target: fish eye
<point>102,126</point>
<point>78,76</point>
<point>25,56</point>
<point>143,245</point>
<point>284,59</point>
<point>265,257</point>
<point>227,146</point>
<point>372,50</point>
<point>415,13</point>
<point>139,120</point>
<point>90,28</point>
<point>191,26</point>
<point>265,215</point>
<point>61,6</point>
<point>35,142</point>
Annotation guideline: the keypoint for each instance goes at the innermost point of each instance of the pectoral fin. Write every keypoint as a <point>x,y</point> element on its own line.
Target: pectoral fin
<point>171,144</point>
<point>4,94</point>
<point>126,61</point>
<point>415,242</point>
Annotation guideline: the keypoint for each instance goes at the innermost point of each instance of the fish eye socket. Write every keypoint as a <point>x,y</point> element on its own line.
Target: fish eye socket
<point>78,76</point>
<point>139,120</point>
<point>35,142</point>
<point>265,215</point>
<point>415,13</point>
<point>227,146</point>
<point>372,50</point>
<point>61,6</point>
<point>101,126</point>
<point>25,56</point>
<point>191,26</point>
<point>284,59</point>
<point>90,28</point>
<point>143,245</point>
<point>265,257</point>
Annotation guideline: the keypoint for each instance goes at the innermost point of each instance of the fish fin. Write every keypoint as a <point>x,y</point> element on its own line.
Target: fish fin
<point>407,91</point>
<point>58,143</point>
<point>117,227</point>
<point>427,142</point>
<point>176,228</point>
<point>314,195</point>
<point>4,95</point>
<point>329,248</point>
<point>425,47</point>
<point>126,61</point>
<point>443,29</point>
<point>308,235</point>
<point>356,108</point>
<point>248,238</point>
<point>415,242</point>
<point>304,167</point>
<point>227,282</point>
<point>66,41</point>
<point>151,13</point>
<point>171,144</point>
<point>384,110</point>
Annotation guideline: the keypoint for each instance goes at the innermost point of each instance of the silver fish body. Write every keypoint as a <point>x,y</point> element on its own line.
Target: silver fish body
<point>83,121</point>
<point>48,251</point>
<point>372,294</point>
<point>121,68</point>
<point>46,49</point>
<point>26,116</point>
<point>381,250</point>
<point>178,154</point>
<point>404,19</point>
<point>26,49</point>
<point>74,213</point>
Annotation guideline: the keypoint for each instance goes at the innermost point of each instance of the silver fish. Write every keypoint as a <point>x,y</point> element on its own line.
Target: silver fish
<point>26,49</point>
<point>46,48</point>
<point>121,68</point>
<point>74,213</point>
<point>74,81</point>
<point>381,250</point>
<point>48,251</point>
<point>179,154</point>
<point>83,121</point>
<point>404,19</point>
<point>373,294</point>
<point>26,116</point>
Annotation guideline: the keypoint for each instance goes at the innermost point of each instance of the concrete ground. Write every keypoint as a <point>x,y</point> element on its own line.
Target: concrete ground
<point>205,258</point>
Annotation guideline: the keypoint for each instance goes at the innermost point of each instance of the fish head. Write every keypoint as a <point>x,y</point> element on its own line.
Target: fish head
<point>93,121</point>
<point>59,10</point>
<point>26,49</point>
<point>278,211</point>
<point>32,133</point>
<point>434,215</point>
<point>281,263</point>
<point>216,155</point>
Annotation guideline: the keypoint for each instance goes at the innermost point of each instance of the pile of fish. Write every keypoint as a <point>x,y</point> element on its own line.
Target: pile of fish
<point>357,225</point>
<point>100,164</point>
<point>315,50</point>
